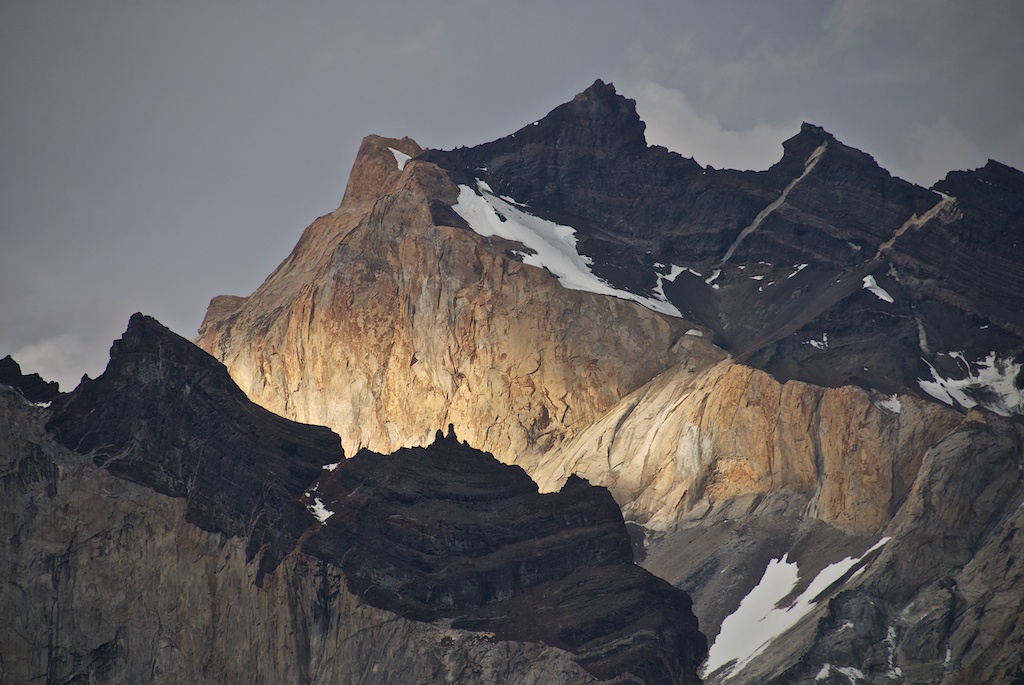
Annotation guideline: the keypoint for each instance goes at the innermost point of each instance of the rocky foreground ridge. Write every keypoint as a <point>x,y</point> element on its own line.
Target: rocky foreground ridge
<point>807,376</point>
<point>159,527</point>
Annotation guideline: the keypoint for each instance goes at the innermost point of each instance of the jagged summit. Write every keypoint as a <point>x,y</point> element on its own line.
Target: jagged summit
<point>32,386</point>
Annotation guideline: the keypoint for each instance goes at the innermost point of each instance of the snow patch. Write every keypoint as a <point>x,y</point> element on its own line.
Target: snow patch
<point>553,245</point>
<point>799,268</point>
<point>400,157</point>
<point>318,510</point>
<point>818,344</point>
<point>891,404</point>
<point>758,620</point>
<point>894,672</point>
<point>695,332</point>
<point>991,383</point>
<point>330,467</point>
<point>879,291</point>
<point>854,675</point>
<point>714,276</point>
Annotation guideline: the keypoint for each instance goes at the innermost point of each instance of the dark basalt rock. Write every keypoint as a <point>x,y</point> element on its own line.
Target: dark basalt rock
<point>448,532</point>
<point>441,532</point>
<point>974,261</point>
<point>166,415</point>
<point>954,267</point>
<point>587,164</point>
<point>31,386</point>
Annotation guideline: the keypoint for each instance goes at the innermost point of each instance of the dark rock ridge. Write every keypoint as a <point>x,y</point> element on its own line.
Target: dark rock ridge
<point>447,532</point>
<point>166,415</point>
<point>442,532</point>
<point>31,385</point>
<point>782,254</point>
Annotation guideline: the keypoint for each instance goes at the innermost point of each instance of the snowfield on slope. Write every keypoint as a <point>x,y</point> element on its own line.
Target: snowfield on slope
<point>992,384</point>
<point>758,620</point>
<point>553,245</point>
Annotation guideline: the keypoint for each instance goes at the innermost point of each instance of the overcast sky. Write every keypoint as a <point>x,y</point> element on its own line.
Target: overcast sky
<point>155,154</point>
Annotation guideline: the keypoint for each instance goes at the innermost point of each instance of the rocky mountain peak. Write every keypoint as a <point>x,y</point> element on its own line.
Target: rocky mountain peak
<point>599,117</point>
<point>31,385</point>
<point>377,166</point>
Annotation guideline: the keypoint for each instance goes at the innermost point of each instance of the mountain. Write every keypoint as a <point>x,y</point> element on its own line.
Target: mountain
<point>796,394</point>
<point>163,528</point>
<point>800,385</point>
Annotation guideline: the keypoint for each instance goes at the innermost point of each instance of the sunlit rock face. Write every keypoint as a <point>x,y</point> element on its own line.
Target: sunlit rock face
<point>768,370</point>
<point>391,319</point>
<point>162,527</point>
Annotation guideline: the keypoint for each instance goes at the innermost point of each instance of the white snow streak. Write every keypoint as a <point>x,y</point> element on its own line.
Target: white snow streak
<point>991,384</point>
<point>818,344</point>
<point>879,291</point>
<point>400,157</point>
<point>330,467</point>
<point>894,672</point>
<point>321,512</point>
<point>891,404</point>
<point>854,675</point>
<point>554,246</point>
<point>758,620</point>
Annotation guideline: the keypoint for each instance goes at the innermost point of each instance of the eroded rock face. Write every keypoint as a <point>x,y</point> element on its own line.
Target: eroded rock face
<point>165,415</point>
<point>777,259</point>
<point>426,545</point>
<point>386,326</point>
<point>941,601</point>
<point>690,440</point>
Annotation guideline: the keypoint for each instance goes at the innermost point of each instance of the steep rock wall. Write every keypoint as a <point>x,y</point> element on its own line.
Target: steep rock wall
<point>390,320</point>
<point>691,438</point>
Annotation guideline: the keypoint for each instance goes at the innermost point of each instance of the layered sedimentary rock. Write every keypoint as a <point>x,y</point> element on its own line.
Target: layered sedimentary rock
<point>162,527</point>
<point>774,263</point>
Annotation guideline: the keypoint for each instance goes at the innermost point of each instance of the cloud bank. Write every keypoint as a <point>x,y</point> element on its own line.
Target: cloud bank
<point>675,124</point>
